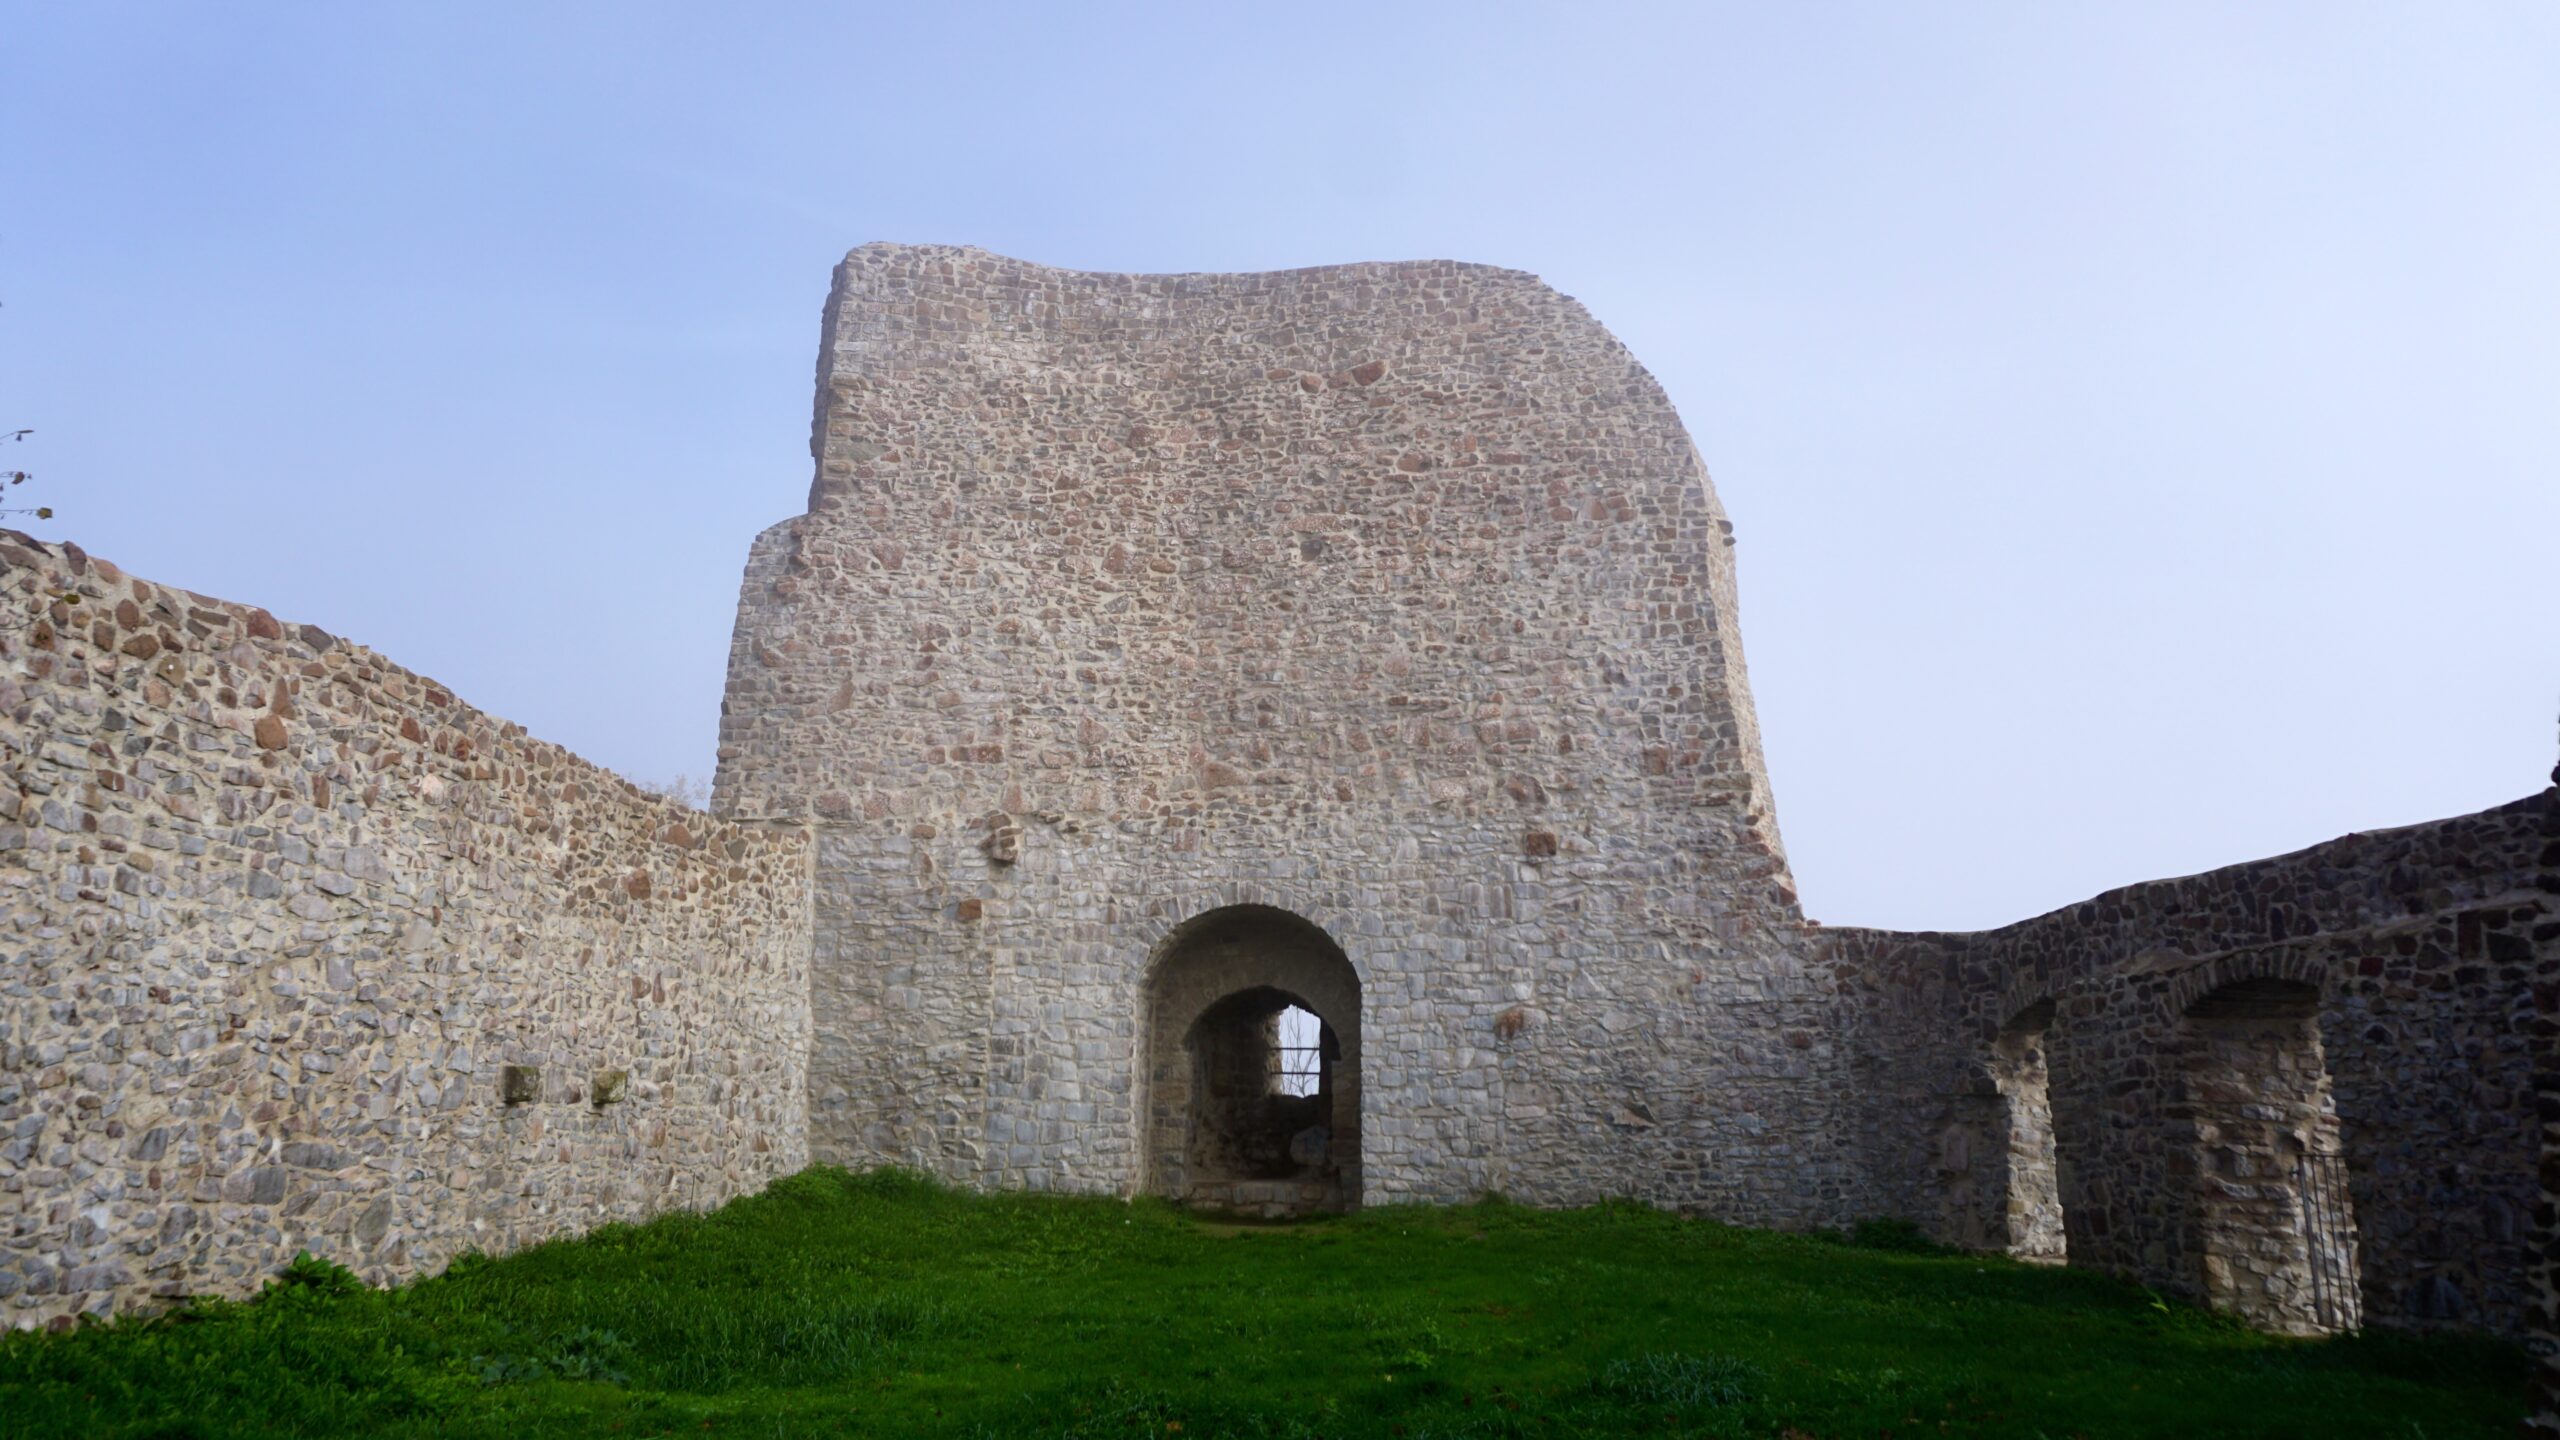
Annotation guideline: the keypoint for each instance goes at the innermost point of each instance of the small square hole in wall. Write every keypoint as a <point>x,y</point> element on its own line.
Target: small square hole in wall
<point>608,1087</point>
<point>519,1084</point>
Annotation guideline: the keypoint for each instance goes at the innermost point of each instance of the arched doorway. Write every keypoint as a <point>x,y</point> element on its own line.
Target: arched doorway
<point>2033,1191</point>
<point>2272,1227</point>
<point>1253,1066</point>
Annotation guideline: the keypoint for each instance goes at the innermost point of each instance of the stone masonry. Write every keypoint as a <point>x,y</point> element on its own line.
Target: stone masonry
<point>1393,599</point>
<point>2542,1313</point>
<point>1391,596</point>
<point>1158,653</point>
<point>2418,953</point>
<point>303,953</point>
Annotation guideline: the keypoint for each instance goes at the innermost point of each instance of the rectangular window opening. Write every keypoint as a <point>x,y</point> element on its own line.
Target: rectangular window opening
<point>1301,1054</point>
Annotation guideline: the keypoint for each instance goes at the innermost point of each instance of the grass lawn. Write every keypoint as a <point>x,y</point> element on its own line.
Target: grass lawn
<point>880,1304</point>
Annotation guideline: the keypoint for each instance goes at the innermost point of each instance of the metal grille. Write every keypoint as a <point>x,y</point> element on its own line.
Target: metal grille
<point>1301,1052</point>
<point>2329,1234</point>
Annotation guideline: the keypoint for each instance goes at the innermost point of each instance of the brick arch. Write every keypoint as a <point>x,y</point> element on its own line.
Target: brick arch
<point>2190,986</point>
<point>1315,906</point>
<point>2020,994</point>
<point>2080,976</point>
<point>1974,1070</point>
<point>1171,947</point>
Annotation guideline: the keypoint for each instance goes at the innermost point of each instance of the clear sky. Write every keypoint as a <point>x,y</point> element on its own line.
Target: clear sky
<point>2142,422</point>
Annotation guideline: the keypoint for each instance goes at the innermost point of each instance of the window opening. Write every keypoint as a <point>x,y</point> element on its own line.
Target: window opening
<point>1301,1053</point>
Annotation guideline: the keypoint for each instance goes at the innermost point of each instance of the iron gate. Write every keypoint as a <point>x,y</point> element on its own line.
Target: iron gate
<point>2328,1232</point>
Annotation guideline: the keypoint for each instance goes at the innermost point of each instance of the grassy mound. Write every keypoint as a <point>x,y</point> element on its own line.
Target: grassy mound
<point>881,1304</point>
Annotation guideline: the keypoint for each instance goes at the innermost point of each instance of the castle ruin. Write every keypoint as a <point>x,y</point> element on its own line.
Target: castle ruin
<point>1278,742</point>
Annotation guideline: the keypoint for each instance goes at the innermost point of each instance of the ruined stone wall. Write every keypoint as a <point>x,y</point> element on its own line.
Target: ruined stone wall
<point>2543,1304</point>
<point>283,919</point>
<point>2426,947</point>
<point>1393,596</point>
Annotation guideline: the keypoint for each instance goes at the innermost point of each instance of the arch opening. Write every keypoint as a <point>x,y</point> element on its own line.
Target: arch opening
<point>2032,1209</point>
<point>2271,1225</point>
<point>1253,1066</point>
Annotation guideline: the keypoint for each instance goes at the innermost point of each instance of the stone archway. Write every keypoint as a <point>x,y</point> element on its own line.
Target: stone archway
<point>1235,1121</point>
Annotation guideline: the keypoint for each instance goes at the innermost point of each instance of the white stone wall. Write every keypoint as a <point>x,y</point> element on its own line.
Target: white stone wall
<point>1391,595</point>
<point>279,915</point>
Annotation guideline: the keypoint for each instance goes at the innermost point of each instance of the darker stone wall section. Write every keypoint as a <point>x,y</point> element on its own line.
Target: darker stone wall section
<point>2543,1312</point>
<point>2424,954</point>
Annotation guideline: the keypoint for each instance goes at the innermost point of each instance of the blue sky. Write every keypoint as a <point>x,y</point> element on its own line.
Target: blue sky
<point>2142,422</point>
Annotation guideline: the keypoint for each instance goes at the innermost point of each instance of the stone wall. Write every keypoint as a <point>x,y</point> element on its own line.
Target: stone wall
<point>285,926</point>
<point>1156,650</point>
<point>1392,596</point>
<point>2543,1318</point>
<point>2422,951</point>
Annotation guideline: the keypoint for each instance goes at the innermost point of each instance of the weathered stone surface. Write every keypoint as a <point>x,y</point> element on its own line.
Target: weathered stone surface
<point>373,1222</point>
<point>1305,591</point>
<point>519,1084</point>
<point>1289,590</point>
<point>278,910</point>
<point>2542,1306</point>
<point>1158,653</point>
<point>258,1185</point>
<point>2422,953</point>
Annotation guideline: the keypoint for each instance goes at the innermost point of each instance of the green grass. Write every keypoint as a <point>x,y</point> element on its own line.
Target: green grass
<point>880,1304</point>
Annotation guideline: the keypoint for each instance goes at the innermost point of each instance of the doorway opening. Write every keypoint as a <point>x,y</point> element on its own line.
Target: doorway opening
<point>1253,1070</point>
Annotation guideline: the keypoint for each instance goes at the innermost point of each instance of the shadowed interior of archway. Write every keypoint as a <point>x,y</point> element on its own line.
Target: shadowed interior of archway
<point>1224,1129</point>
